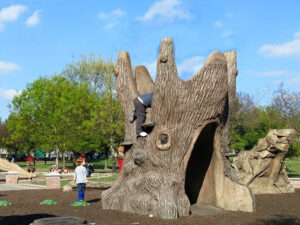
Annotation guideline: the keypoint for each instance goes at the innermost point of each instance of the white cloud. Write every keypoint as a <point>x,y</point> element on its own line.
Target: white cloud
<point>186,69</point>
<point>34,19</point>
<point>9,93</point>
<point>297,34</point>
<point>226,34</point>
<point>110,25</point>
<point>113,14</point>
<point>229,15</point>
<point>218,24</point>
<point>151,67</point>
<point>112,18</point>
<point>286,49</point>
<point>7,67</point>
<point>190,66</point>
<point>166,11</point>
<point>272,73</point>
<point>1,27</point>
<point>12,13</point>
<point>293,82</point>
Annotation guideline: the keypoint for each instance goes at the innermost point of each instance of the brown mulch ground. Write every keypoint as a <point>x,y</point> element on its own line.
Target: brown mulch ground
<point>281,209</point>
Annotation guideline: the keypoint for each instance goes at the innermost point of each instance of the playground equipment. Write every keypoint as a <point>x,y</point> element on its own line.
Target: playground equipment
<point>8,166</point>
<point>262,168</point>
<point>182,161</point>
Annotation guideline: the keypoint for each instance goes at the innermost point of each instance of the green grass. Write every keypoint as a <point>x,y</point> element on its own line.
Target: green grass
<point>40,182</point>
<point>292,166</point>
<point>64,182</point>
<point>43,182</point>
<point>42,167</point>
<point>105,179</point>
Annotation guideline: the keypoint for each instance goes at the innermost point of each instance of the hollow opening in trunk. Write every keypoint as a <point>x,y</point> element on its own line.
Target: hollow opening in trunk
<point>199,162</point>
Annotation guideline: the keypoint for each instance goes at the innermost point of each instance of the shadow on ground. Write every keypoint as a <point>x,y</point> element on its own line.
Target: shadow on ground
<point>94,200</point>
<point>22,219</point>
<point>278,220</point>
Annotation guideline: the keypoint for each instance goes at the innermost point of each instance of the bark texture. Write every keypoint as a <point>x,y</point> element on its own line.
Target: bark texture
<point>181,162</point>
<point>232,74</point>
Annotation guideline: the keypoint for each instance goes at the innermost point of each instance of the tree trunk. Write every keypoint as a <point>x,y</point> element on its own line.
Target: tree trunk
<point>57,155</point>
<point>105,160</point>
<point>64,159</point>
<point>181,161</point>
<point>232,73</point>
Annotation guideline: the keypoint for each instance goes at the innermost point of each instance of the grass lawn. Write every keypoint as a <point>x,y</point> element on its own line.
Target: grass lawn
<point>42,167</point>
<point>292,167</point>
<point>43,182</point>
<point>105,179</point>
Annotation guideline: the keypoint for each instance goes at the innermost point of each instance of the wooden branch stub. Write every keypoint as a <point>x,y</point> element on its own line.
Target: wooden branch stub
<point>127,92</point>
<point>124,56</point>
<point>143,80</point>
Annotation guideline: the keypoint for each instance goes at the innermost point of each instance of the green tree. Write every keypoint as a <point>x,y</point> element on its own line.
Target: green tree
<point>54,114</point>
<point>250,122</point>
<point>288,104</point>
<point>98,74</point>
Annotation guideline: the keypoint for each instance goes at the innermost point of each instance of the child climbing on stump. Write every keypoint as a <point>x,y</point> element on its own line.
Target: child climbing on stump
<point>80,178</point>
<point>140,104</point>
<point>120,157</point>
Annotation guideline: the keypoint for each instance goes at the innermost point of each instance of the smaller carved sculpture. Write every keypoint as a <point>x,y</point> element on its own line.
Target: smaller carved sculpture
<point>262,168</point>
<point>9,166</point>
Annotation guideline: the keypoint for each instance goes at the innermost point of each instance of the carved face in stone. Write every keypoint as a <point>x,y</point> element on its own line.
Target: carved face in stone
<point>280,139</point>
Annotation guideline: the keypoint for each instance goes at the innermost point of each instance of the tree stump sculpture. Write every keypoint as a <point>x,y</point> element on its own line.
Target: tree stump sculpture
<point>262,168</point>
<point>181,162</point>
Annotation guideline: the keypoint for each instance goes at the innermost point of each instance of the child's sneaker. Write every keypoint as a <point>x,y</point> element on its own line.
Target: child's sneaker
<point>142,134</point>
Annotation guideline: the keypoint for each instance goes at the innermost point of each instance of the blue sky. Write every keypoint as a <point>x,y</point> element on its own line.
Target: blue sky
<point>39,38</point>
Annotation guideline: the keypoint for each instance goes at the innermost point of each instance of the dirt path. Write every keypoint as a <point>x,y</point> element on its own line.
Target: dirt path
<point>282,209</point>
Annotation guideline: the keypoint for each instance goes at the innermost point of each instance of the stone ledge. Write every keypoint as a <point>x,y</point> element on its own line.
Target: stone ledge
<point>295,182</point>
<point>53,174</point>
<point>60,221</point>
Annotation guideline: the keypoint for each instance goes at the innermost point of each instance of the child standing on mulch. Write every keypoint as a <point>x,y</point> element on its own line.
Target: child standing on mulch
<point>80,178</point>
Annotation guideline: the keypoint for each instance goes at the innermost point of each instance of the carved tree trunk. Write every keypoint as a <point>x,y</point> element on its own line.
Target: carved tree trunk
<point>181,162</point>
<point>232,73</point>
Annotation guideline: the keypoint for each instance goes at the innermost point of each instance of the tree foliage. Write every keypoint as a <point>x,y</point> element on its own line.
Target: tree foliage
<point>53,114</point>
<point>250,122</point>
<point>77,110</point>
<point>99,76</point>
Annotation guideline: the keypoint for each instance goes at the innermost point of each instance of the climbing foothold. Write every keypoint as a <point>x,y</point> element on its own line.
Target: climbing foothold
<point>126,143</point>
<point>148,125</point>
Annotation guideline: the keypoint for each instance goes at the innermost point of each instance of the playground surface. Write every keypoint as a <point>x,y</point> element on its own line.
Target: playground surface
<point>271,209</point>
<point>18,187</point>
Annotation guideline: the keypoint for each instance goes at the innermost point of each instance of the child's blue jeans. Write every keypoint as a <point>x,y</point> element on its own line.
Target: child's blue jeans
<point>80,190</point>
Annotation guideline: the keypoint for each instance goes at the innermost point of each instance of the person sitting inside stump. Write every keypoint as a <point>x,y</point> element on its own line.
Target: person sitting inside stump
<point>89,169</point>
<point>30,168</point>
<point>80,178</point>
<point>140,104</point>
<point>120,156</point>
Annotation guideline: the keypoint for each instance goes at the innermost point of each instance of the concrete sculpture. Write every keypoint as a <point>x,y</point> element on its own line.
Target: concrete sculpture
<point>262,168</point>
